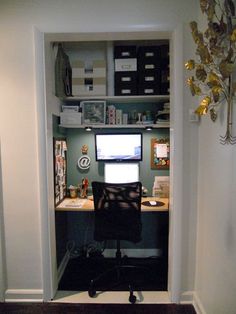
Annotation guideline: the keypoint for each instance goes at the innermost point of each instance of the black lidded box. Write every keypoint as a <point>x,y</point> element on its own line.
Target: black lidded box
<point>125,83</point>
<point>148,58</point>
<point>121,52</point>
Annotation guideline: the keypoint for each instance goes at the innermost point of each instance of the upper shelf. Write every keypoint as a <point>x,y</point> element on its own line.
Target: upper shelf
<point>124,99</point>
<point>157,125</point>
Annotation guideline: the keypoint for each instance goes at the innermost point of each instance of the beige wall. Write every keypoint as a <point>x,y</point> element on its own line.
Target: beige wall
<point>215,282</point>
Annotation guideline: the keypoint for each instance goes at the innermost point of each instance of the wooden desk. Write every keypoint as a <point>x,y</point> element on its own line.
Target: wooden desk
<point>78,204</point>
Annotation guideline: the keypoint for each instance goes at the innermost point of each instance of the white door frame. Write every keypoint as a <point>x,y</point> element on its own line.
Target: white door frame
<point>2,241</point>
<point>176,171</point>
<point>47,267</point>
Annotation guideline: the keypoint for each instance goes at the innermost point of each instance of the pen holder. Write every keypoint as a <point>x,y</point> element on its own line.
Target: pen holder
<point>73,192</point>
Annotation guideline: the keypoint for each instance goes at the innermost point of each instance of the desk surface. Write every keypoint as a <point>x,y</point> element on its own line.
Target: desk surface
<point>78,204</point>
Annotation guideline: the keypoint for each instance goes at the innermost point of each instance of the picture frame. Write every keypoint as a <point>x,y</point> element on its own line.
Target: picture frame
<point>93,112</point>
<point>160,153</point>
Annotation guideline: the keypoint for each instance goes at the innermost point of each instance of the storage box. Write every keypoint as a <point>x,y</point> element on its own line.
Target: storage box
<point>151,76</point>
<point>165,89</point>
<point>125,83</point>
<point>148,52</point>
<point>89,87</point>
<point>122,65</point>
<point>149,88</point>
<point>164,51</point>
<point>126,90</point>
<point>122,78</point>
<point>89,78</point>
<point>148,58</point>
<point>151,64</point>
<point>92,69</point>
<point>165,78</point>
<point>70,108</point>
<point>71,118</point>
<point>125,52</point>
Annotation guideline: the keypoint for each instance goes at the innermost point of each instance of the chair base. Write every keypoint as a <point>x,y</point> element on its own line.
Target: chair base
<point>118,269</point>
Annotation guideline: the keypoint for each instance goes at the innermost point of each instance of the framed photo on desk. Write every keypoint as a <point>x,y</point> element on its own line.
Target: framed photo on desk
<point>160,153</point>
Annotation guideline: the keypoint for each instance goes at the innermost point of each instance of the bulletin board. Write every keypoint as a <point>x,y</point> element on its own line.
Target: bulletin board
<point>160,153</point>
<point>60,170</point>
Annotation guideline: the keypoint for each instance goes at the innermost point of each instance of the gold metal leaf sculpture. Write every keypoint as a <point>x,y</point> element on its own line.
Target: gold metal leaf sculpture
<point>216,61</point>
<point>203,107</point>
<point>201,73</point>
<point>190,64</point>
<point>195,89</point>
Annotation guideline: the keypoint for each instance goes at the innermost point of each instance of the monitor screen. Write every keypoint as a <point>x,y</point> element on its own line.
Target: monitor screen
<point>118,147</point>
<point>121,172</point>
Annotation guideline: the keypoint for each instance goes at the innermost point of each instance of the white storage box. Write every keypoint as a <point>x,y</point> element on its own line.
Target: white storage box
<point>89,78</point>
<point>129,64</point>
<point>70,108</point>
<point>95,68</point>
<point>89,87</point>
<point>71,118</point>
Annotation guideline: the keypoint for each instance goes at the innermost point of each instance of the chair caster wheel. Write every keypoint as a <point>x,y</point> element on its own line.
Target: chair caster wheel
<point>92,293</point>
<point>132,299</point>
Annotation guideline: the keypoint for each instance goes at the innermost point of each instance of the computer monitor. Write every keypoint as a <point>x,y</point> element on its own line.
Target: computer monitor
<point>121,172</point>
<point>118,147</point>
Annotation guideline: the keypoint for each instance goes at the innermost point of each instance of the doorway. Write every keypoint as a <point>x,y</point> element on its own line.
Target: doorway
<point>48,217</point>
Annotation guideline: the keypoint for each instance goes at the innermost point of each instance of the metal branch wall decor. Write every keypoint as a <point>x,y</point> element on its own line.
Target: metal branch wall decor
<point>216,54</point>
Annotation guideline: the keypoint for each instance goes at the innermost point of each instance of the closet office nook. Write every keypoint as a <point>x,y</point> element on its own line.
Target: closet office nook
<point>108,103</point>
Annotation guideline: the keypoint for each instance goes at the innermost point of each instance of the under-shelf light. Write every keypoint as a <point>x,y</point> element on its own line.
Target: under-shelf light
<point>148,128</point>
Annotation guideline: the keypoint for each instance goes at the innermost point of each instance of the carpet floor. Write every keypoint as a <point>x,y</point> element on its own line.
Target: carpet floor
<point>67,308</point>
<point>151,274</point>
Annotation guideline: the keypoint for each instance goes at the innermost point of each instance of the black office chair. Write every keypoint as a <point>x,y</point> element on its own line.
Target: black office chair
<point>117,217</point>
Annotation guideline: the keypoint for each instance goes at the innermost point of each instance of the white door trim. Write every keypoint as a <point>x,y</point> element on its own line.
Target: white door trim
<point>176,165</point>
<point>2,241</point>
<point>48,266</point>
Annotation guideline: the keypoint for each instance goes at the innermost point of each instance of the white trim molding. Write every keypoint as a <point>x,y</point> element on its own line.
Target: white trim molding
<point>24,295</point>
<point>199,308</point>
<point>191,297</point>
<point>187,297</point>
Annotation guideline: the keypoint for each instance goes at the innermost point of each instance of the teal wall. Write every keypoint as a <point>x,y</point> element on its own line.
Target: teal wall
<point>79,226</point>
<point>78,137</point>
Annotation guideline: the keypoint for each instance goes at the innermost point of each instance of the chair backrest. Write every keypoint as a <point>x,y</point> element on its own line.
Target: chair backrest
<point>117,211</point>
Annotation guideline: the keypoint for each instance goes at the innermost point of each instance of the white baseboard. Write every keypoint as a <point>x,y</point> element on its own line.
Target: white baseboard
<point>199,308</point>
<point>187,297</point>
<point>191,297</point>
<point>24,295</point>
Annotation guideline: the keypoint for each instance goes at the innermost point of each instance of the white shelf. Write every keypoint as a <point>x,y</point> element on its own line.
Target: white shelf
<point>136,98</point>
<point>116,126</point>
